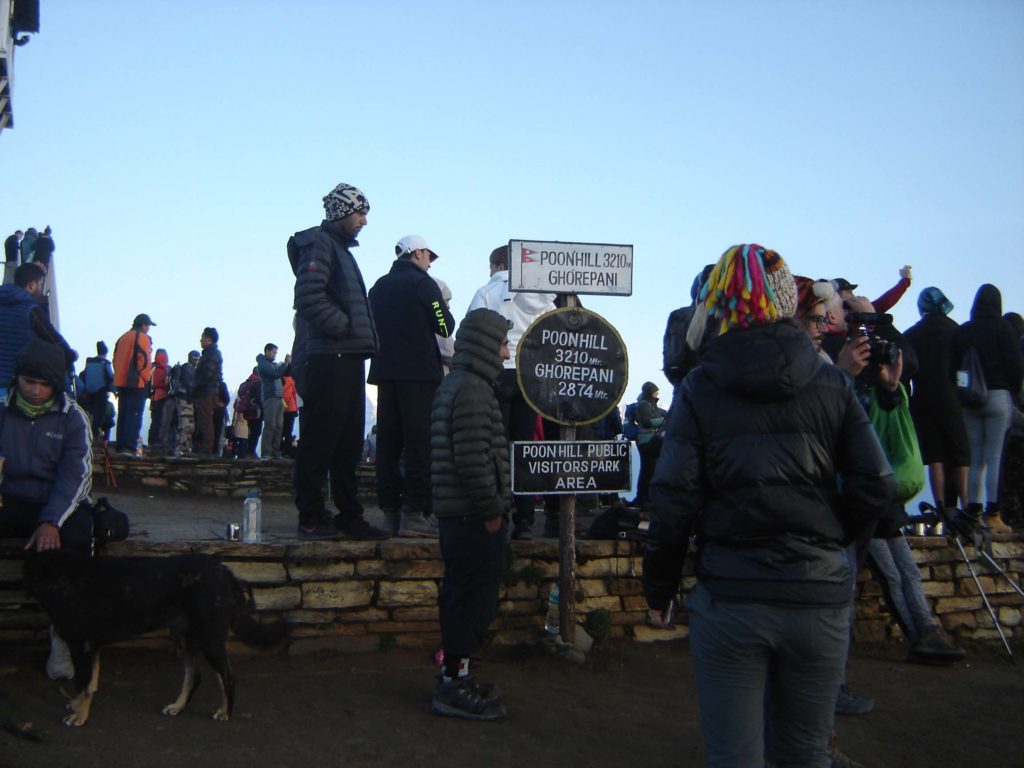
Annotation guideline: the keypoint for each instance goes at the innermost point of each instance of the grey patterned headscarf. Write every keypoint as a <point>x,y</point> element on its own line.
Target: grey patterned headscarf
<point>343,200</point>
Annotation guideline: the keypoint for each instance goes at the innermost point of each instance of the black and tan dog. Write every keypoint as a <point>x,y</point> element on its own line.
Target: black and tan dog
<point>97,601</point>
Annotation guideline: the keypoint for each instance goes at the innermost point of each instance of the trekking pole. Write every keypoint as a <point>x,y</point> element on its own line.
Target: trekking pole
<point>1003,573</point>
<point>978,543</point>
<point>108,467</point>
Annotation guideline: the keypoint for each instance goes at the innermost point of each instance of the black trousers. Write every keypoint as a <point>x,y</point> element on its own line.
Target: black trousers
<point>473,563</point>
<point>130,402</point>
<point>520,422</point>
<point>220,416</point>
<point>331,436</point>
<point>156,417</point>
<point>403,426</point>
<point>255,429</point>
<point>649,453</point>
<point>19,520</point>
<point>96,405</point>
<point>288,433</point>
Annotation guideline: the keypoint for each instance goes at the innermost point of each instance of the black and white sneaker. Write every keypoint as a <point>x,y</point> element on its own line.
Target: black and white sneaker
<point>412,524</point>
<point>359,530</point>
<point>321,529</point>
<point>463,698</point>
<point>935,647</point>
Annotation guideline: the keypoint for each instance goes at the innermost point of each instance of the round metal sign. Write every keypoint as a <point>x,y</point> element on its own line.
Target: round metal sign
<point>571,365</point>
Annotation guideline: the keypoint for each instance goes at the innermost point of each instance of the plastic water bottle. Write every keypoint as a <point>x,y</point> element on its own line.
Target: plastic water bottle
<point>551,620</point>
<point>139,447</point>
<point>252,517</point>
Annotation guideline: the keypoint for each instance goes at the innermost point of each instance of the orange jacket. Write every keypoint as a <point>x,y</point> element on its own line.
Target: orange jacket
<point>288,393</point>
<point>133,367</point>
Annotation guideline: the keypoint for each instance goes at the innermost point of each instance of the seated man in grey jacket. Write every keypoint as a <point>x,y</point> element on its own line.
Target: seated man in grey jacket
<point>46,445</point>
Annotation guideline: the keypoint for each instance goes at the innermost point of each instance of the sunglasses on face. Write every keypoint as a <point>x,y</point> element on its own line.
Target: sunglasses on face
<point>817,319</point>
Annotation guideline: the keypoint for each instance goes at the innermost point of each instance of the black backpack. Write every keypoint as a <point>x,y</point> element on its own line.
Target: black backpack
<point>630,426</point>
<point>174,380</point>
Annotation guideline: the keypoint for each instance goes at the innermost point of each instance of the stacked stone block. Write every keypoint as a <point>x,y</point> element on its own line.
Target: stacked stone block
<point>366,596</point>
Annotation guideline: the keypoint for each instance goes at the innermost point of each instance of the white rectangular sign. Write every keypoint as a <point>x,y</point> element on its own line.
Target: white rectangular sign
<point>553,267</point>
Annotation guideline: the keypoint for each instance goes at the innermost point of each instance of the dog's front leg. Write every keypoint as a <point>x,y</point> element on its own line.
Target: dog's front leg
<point>188,685</point>
<point>83,700</point>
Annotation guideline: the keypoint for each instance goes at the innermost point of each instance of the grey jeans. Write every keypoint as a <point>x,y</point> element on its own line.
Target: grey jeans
<point>273,421</point>
<point>894,561</point>
<point>986,430</point>
<point>739,649</point>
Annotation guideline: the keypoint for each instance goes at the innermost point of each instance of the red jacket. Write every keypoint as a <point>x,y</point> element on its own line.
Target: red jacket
<point>160,383</point>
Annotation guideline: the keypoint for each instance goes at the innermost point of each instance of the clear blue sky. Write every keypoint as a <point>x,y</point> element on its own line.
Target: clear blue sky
<point>174,147</point>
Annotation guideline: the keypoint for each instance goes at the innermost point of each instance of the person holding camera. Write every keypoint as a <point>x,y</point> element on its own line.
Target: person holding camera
<point>753,448</point>
<point>890,556</point>
<point>863,343</point>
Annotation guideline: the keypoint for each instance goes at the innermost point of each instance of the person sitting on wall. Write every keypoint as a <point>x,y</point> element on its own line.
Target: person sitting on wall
<point>46,444</point>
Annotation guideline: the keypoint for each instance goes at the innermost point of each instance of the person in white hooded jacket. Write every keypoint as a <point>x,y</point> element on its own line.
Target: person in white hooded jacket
<point>520,309</point>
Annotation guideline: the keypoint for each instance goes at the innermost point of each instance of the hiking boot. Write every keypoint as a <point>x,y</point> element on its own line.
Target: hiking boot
<point>849,703</point>
<point>968,521</point>
<point>357,529</point>
<point>994,521</point>
<point>935,647</point>
<point>462,698</point>
<point>412,524</point>
<point>319,529</point>
<point>838,759</point>
<point>59,666</point>
<point>522,532</point>
<point>393,518</point>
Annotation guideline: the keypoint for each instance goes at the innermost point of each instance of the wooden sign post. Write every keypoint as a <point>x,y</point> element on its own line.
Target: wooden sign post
<point>572,367</point>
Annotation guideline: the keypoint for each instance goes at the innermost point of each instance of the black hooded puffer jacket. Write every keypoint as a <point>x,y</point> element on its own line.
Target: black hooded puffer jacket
<point>468,451</point>
<point>755,442</point>
<point>995,341</point>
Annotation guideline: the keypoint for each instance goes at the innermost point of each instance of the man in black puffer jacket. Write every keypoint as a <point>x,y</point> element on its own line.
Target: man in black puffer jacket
<point>334,334</point>
<point>753,448</point>
<point>472,494</point>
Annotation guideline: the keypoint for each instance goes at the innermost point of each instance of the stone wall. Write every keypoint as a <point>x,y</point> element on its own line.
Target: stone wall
<point>365,596</point>
<point>217,477</point>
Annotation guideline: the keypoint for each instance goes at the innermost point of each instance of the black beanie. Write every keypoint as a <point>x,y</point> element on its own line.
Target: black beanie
<point>41,360</point>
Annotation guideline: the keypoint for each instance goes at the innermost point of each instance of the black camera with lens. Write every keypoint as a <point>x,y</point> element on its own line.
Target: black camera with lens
<point>883,352</point>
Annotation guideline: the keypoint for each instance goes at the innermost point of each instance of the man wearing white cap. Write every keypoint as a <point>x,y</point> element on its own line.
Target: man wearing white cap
<point>408,310</point>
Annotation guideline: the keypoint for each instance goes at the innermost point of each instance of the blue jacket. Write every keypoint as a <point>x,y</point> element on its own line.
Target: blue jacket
<point>270,373</point>
<point>16,304</point>
<point>49,459</point>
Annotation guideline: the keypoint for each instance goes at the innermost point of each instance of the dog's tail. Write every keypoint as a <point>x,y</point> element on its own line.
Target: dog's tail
<point>250,631</point>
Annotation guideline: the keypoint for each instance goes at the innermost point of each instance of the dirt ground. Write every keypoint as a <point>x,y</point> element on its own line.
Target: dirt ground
<point>630,705</point>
